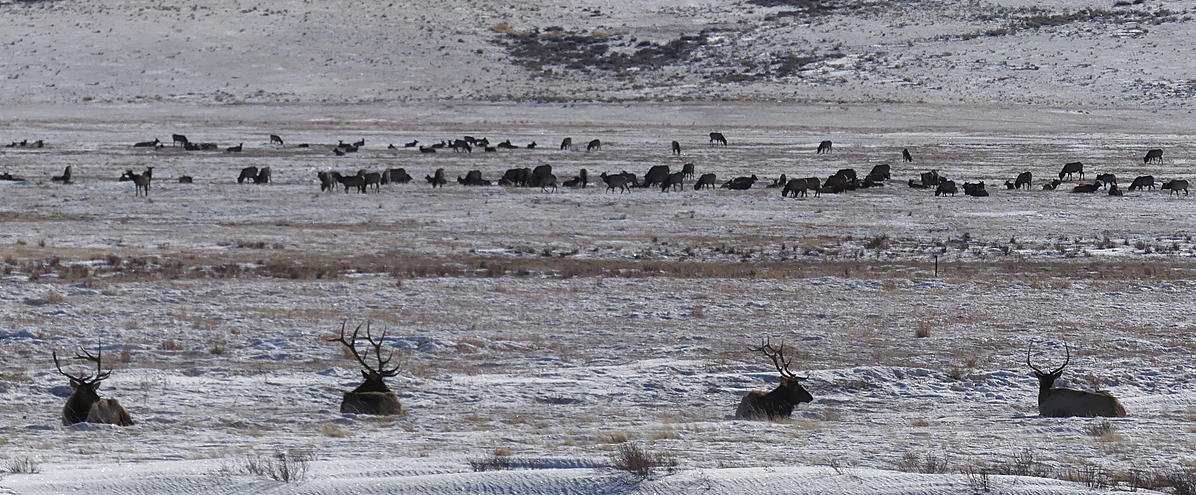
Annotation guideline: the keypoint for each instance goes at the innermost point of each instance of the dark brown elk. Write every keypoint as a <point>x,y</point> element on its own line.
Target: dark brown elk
<point>516,177</point>
<point>1071,168</point>
<point>247,173</point>
<point>581,180</point>
<point>425,149</point>
<point>1059,402</point>
<point>141,182</point>
<point>84,404</point>
<point>975,190</point>
<point>179,138</point>
<point>779,403</point>
<point>617,181</point>
<point>263,176</point>
<point>688,170</point>
<point>235,149</point>
<point>931,178</point>
<point>1106,179</point>
<point>945,187</point>
<point>327,181</point>
<point>717,138</point>
<point>371,179</point>
<point>186,179</point>
<point>779,182</point>
<point>1114,191</point>
<point>1153,156</point>
<point>676,148</point>
<point>801,186</point>
<point>412,144</point>
<point>824,147</point>
<point>706,181</point>
<point>1174,186</point>
<point>656,175</point>
<point>546,181</point>
<point>880,173</point>
<point>473,178</point>
<point>674,181</point>
<point>65,178</point>
<point>740,183</point>
<point>1023,179</point>
<point>147,144</point>
<point>594,145</point>
<point>566,143</point>
<point>1142,181</point>
<point>372,396</point>
<point>905,156</point>
<point>436,180</point>
<point>396,175</point>
<point>1052,185</point>
<point>276,139</point>
<point>1086,188</point>
<point>351,181</point>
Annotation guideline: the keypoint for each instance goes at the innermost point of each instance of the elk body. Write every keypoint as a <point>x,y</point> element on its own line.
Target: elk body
<point>372,396</point>
<point>779,403</point>
<point>84,404</point>
<point>1059,402</point>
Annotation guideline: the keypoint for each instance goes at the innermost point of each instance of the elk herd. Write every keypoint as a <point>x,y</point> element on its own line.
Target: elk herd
<point>374,397</point>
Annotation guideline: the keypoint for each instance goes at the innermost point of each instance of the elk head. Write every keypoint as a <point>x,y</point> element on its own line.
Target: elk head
<point>778,403</point>
<point>80,404</point>
<point>1046,381</point>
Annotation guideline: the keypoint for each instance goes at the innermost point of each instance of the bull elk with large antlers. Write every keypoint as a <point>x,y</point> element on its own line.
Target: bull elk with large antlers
<point>372,396</point>
<point>84,404</point>
<point>779,403</point>
<point>1059,402</point>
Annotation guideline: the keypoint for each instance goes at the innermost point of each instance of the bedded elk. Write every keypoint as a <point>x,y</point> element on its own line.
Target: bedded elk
<point>65,178</point>
<point>582,179</point>
<point>779,182</point>
<point>779,403</point>
<point>1052,185</point>
<point>676,148</point>
<point>1142,181</point>
<point>905,156</point>
<point>412,144</point>
<point>717,138</point>
<point>1059,402</point>
<point>824,147</point>
<point>1114,191</point>
<point>593,145</point>
<point>186,179</point>
<point>147,144</point>
<point>1086,188</point>
<point>740,183</point>
<point>880,173</point>
<point>1071,168</point>
<point>706,181</point>
<point>235,149</point>
<point>1153,156</point>
<point>396,175</point>
<point>1174,186</point>
<point>975,190</point>
<point>473,178</point>
<point>372,396</point>
<point>84,404</point>
<point>247,173</point>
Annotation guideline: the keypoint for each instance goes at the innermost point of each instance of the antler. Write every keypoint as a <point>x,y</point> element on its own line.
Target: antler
<point>98,359</point>
<point>1035,368</point>
<point>377,344</point>
<point>777,355</point>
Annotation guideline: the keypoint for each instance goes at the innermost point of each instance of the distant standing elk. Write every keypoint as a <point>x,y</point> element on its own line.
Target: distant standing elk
<point>566,143</point>
<point>717,138</point>
<point>706,181</point>
<point>1175,186</point>
<point>84,404</point>
<point>249,173</point>
<point>824,147</point>
<point>1153,156</point>
<point>372,396</point>
<point>676,148</point>
<point>905,156</point>
<point>179,138</point>
<point>779,403</point>
<point>688,170</point>
<point>275,139</point>
<point>1058,402</point>
<point>141,182</point>
<point>1071,168</point>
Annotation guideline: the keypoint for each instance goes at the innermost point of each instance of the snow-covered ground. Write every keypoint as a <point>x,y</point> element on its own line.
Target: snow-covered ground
<point>614,318</point>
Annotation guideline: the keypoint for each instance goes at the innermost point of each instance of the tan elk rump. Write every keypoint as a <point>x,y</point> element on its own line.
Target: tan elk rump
<point>1059,402</point>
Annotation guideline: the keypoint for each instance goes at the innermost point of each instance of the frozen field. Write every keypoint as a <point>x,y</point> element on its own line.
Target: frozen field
<point>554,327</point>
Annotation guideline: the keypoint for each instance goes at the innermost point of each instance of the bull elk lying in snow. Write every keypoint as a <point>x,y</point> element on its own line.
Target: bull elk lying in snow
<point>1059,402</point>
<point>779,403</point>
<point>84,404</point>
<point>372,396</point>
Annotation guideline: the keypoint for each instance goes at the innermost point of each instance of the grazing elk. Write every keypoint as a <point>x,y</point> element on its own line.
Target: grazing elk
<point>566,143</point>
<point>593,145</point>
<point>801,186</point>
<point>1059,402</point>
<point>179,138</point>
<point>372,396</point>
<point>65,178</point>
<point>905,156</point>
<point>249,173</point>
<point>688,170</point>
<point>717,138</point>
<point>1174,186</point>
<point>235,149</point>
<point>263,176</point>
<point>705,181</point>
<point>617,181</point>
<point>880,173</point>
<point>945,187</point>
<point>436,180</point>
<point>1141,182</point>
<point>976,190</point>
<point>84,404</point>
<point>676,148</point>
<point>824,147</point>
<point>779,403</point>
<point>656,175</point>
<point>327,181</point>
<point>275,139</point>
<point>674,181</point>
<point>148,144</point>
<point>1023,179</point>
<point>1153,156</point>
<point>1106,179</point>
<point>1071,168</point>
